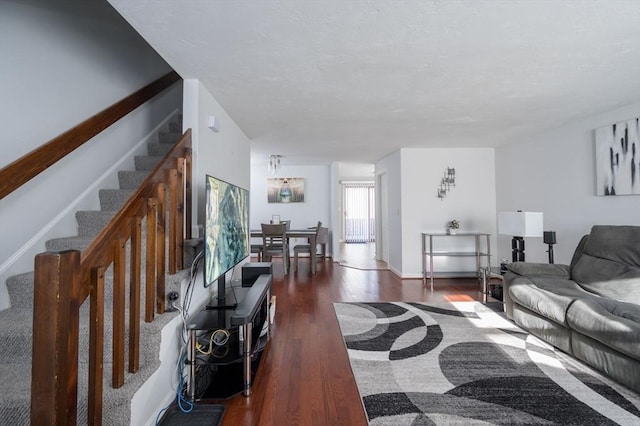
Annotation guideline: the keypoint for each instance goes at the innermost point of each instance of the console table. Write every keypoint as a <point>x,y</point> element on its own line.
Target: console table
<point>488,274</point>
<point>480,253</point>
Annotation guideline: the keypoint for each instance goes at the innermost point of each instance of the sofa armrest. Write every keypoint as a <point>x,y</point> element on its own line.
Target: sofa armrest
<point>544,269</point>
<point>522,270</point>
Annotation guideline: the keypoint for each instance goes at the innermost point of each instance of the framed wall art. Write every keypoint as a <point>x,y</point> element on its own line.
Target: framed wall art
<point>618,158</point>
<point>285,190</point>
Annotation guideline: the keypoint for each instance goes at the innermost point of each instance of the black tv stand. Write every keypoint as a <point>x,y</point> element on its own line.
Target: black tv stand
<point>220,307</point>
<point>247,319</point>
<point>220,302</point>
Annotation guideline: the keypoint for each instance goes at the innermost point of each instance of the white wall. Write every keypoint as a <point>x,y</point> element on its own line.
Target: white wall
<point>391,166</point>
<point>554,173</point>
<point>382,215</point>
<point>356,171</point>
<point>316,205</point>
<point>335,207</point>
<point>471,201</point>
<point>62,62</point>
<point>225,154</point>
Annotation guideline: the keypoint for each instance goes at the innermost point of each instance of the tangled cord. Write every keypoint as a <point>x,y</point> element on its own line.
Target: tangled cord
<point>219,337</point>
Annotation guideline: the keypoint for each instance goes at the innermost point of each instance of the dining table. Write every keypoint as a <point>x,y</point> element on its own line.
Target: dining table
<point>310,234</point>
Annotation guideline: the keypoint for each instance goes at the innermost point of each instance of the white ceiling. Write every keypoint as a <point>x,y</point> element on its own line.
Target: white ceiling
<point>337,80</point>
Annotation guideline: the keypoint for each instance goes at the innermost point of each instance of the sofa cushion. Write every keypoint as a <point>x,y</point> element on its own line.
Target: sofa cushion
<point>549,331</point>
<point>591,269</point>
<point>617,243</point>
<point>577,254</point>
<point>625,288</point>
<point>546,296</point>
<point>613,363</point>
<point>614,324</point>
<point>539,269</point>
<point>609,252</point>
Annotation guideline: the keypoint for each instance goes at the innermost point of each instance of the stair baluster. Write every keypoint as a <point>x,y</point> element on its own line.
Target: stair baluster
<point>64,280</point>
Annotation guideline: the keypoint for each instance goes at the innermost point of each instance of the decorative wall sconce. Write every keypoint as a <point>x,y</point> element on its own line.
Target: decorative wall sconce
<point>441,193</point>
<point>446,183</point>
<point>274,163</point>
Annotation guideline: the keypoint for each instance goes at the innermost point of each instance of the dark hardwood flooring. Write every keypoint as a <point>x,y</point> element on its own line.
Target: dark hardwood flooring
<point>305,377</point>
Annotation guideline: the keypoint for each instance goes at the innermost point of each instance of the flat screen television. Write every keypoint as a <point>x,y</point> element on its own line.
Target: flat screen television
<point>226,231</point>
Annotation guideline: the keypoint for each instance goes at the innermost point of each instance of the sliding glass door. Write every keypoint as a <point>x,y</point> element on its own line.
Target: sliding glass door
<point>359,212</point>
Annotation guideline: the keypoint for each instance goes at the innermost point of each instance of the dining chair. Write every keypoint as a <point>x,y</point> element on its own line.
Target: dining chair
<point>304,248</point>
<point>323,239</point>
<point>257,250</point>
<point>274,243</point>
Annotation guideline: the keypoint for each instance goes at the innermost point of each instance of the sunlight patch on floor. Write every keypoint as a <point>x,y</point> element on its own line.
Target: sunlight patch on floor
<point>360,256</point>
<point>459,298</point>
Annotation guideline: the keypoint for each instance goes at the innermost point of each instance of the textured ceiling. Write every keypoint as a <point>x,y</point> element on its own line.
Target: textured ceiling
<point>322,81</point>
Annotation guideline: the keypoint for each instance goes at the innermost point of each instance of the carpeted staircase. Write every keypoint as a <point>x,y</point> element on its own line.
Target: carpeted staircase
<point>16,322</point>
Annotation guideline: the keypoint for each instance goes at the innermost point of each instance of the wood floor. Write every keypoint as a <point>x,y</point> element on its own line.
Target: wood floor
<point>360,256</point>
<point>305,377</point>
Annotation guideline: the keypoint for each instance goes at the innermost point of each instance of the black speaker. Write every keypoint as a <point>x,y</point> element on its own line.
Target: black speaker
<point>549,237</point>
<point>252,270</point>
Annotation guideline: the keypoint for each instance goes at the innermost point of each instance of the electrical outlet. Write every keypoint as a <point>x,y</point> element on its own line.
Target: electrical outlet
<point>174,289</point>
<point>172,301</point>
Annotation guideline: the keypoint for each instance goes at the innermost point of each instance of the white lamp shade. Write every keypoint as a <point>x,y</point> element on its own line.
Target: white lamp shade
<point>521,224</point>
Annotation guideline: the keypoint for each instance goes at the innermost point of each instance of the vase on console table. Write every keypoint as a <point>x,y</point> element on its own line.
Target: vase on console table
<point>452,227</point>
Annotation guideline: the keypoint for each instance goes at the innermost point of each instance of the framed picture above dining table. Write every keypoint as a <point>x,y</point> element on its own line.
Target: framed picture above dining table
<point>285,190</point>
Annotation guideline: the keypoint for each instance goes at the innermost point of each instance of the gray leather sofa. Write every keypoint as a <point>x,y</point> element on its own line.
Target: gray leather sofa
<point>590,308</point>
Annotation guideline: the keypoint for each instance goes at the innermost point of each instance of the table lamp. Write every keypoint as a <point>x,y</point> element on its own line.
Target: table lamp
<point>550,239</point>
<point>520,224</point>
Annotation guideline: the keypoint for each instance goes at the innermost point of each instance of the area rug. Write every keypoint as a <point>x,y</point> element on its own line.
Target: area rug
<point>464,363</point>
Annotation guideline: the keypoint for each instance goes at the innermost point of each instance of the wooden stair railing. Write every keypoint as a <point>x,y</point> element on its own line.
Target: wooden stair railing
<point>64,280</point>
<point>19,172</point>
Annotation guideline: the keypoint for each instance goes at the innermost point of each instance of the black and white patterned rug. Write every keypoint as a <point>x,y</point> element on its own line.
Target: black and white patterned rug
<point>464,363</point>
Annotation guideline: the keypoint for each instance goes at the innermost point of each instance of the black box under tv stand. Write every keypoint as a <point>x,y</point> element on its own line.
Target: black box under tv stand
<point>216,307</point>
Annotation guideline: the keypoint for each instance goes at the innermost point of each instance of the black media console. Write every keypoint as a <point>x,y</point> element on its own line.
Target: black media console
<point>234,337</point>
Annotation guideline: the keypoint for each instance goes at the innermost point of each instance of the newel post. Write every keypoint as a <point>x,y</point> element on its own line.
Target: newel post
<point>54,379</point>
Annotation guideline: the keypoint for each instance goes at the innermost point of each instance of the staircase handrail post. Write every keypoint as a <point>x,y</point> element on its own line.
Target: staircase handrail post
<point>188,189</point>
<point>54,378</point>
